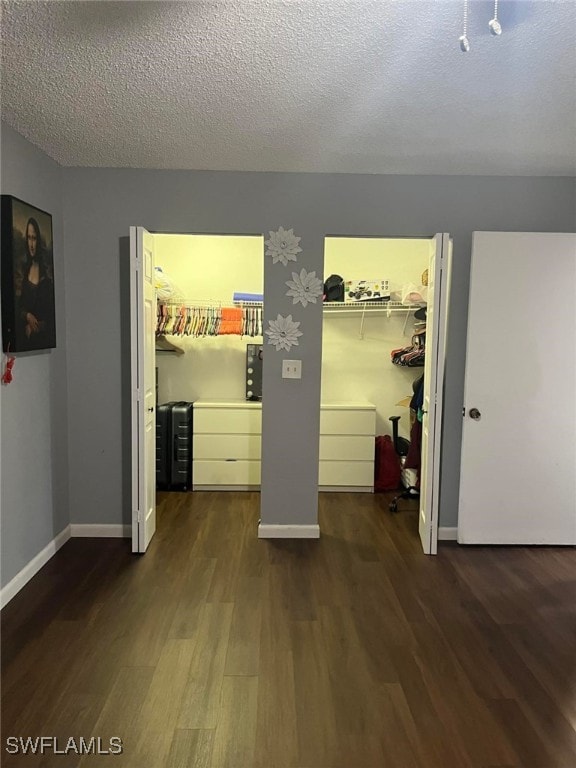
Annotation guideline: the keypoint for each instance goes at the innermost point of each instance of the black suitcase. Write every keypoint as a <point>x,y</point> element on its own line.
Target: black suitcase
<point>163,425</point>
<point>181,446</point>
<point>174,446</point>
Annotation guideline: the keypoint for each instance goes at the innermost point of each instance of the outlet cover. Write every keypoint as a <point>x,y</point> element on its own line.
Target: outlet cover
<point>291,369</point>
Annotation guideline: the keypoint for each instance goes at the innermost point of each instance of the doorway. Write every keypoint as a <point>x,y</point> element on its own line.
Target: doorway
<point>385,335</point>
<point>197,349</point>
<point>337,414</point>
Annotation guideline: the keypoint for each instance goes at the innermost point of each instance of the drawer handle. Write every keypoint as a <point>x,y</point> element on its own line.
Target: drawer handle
<point>230,459</point>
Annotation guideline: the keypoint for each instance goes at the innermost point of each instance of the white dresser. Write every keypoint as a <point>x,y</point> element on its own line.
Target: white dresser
<point>347,432</point>
<point>226,445</point>
<point>227,438</point>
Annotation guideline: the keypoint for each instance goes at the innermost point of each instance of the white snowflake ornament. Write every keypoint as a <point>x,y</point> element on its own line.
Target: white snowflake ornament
<point>283,246</point>
<point>304,287</point>
<point>283,333</point>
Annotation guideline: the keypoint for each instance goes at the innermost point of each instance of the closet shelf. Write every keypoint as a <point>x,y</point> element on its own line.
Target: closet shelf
<point>164,345</point>
<point>362,307</point>
<point>356,307</point>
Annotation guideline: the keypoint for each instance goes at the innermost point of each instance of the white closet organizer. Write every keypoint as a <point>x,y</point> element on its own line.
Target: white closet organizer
<point>227,438</point>
<point>357,308</point>
<point>363,308</point>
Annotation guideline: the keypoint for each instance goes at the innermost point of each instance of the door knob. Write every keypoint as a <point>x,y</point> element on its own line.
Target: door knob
<point>150,409</point>
<point>475,414</point>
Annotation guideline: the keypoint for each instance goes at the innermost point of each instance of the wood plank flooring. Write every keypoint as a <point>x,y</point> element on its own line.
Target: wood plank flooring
<point>217,650</point>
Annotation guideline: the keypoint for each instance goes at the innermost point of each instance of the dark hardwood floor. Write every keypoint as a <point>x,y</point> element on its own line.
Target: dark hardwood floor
<point>219,650</point>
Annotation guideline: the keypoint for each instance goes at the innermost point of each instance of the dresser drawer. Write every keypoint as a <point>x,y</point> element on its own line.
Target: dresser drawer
<point>352,422</point>
<point>347,447</point>
<point>228,421</point>
<point>215,472</point>
<point>227,446</point>
<point>349,473</point>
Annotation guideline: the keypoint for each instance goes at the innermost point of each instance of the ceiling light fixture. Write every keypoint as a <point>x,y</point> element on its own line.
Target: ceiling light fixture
<point>463,39</point>
<point>494,25</point>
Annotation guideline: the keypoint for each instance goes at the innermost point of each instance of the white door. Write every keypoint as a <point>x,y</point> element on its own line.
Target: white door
<point>517,477</point>
<point>143,325</point>
<point>436,322</point>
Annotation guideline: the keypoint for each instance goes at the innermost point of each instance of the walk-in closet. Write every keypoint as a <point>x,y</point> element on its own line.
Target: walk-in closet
<point>200,402</point>
<point>374,345</point>
<point>208,349</point>
<point>361,331</point>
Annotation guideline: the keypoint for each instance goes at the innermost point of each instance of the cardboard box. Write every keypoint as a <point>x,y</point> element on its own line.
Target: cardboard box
<point>366,290</point>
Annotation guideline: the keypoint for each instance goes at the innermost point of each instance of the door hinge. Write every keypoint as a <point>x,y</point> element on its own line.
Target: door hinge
<point>138,516</point>
<point>463,411</point>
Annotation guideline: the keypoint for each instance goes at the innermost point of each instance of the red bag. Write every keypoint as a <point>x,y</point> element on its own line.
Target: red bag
<point>386,465</point>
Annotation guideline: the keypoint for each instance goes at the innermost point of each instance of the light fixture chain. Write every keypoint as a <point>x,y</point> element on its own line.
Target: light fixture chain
<point>463,39</point>
<point>494,25</point>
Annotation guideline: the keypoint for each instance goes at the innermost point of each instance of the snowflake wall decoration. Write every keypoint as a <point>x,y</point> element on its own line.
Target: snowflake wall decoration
<point>283,246</point>
<point>283,333</point>
<point>304,287</point>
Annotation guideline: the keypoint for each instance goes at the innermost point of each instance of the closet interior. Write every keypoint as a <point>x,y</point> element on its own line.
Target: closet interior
<point>209,351</point>
<point>208,360</point>
<point>374,341</point>
<point>198,277</point>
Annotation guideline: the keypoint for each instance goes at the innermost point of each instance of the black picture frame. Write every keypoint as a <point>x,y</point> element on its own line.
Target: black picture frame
<point>27,256</point>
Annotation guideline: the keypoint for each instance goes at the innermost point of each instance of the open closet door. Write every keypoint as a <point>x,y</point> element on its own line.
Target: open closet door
<point>436,322</point>
<point>517,479</point>
<point>142,324</point>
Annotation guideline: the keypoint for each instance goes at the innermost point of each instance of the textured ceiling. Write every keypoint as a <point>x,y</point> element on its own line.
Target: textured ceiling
<point>365,86</point>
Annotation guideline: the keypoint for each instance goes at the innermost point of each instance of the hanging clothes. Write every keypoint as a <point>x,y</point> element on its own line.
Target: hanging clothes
<point>232,322</point>
<point>413,355</point>
<point>199,321</point>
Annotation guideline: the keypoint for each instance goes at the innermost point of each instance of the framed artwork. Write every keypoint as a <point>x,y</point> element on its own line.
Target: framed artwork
<point>28,315</point>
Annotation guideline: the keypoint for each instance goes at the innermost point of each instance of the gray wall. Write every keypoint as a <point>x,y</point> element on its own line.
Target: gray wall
<point>34,460</point>
<point>100,206</point>
<point>65,444</point>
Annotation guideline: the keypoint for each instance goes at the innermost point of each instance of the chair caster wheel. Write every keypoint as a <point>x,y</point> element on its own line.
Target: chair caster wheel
<point>393,507</point>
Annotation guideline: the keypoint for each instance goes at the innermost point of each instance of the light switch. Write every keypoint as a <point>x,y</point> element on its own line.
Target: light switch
<point>291,369</point>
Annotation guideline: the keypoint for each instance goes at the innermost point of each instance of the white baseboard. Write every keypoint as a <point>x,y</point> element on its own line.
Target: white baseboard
<point>346,488</point>
<point>226,488</point>
<point>288,531</point>
<point>447,534</point>
<point>95,531</point>
<point>31,569</point>
<point>71,531</point>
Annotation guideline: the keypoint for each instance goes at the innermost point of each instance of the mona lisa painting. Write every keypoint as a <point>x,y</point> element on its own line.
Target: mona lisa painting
<point>28,317</point>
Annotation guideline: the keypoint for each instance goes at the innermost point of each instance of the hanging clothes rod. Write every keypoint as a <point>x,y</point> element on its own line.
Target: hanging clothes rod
<point>208,319</point>
<point>191,303</point>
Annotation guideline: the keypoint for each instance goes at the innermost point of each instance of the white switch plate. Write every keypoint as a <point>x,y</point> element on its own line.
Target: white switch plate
<point>291,369</point>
